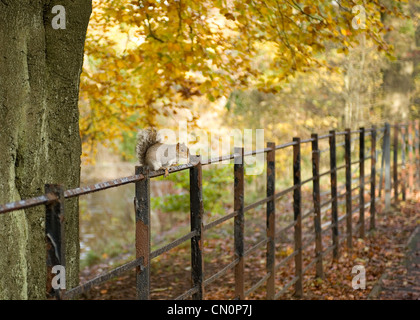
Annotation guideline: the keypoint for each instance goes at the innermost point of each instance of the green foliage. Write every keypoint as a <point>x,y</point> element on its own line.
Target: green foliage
<point>128,146</point>
<point>408,27</point>
<point>91,259</point>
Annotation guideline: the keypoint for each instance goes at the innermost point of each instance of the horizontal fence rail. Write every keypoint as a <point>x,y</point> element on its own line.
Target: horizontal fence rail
<point>339,200</point>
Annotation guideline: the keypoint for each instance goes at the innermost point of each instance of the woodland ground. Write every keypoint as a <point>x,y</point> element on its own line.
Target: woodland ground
<point>382,253</point>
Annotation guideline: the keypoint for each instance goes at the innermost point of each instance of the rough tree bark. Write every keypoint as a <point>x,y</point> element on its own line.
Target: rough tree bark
<point>39,134</point>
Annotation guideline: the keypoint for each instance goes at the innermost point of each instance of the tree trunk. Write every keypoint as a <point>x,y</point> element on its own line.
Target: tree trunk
<point>39,134</point>
<point>398,76</point>
<point>398,88</point>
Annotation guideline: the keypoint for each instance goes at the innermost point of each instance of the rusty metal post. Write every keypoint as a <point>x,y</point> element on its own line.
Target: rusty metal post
<point>403,165</point>
<point>239,222</point>
<point>410,159</point>
<point>271,219</point>
<point>297,209</point>
<point>55,236</point>
<point>381,175</point>
<point>417,146</point>
<point>347,156</point>
<point>396,128</point>
<point>387,154</point>
<point>142,215</point>
<point>317,206</point>
<point>196,219</point>
<point>334,202</point>
<point>362,183</point>
<point>373,180</point>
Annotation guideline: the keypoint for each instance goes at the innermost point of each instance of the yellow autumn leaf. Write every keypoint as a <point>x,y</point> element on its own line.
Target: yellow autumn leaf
<point>102,76</point>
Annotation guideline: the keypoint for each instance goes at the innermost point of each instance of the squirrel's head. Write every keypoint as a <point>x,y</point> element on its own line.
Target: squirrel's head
<point>182,150</point>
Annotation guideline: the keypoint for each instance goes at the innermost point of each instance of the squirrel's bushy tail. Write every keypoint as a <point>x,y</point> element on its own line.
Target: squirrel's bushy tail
<point>145,139</point>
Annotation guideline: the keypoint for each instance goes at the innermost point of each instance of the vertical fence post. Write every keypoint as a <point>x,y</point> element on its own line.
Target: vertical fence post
<point>271,219</point>
<point>239,222</point>
<point>297,209</point>
<point>362,183</point>
<point>381,175</point>
<point>387,155</point>
<point>142,214</point>
<point>334,202</point>
<point>417,146</point>
<point>347,156</point>
<point>55,236</point>
<point>396,128</point>
<point>410,159</point>
<point>196,220</point>
<point>317,206</point>
<point>373,180</point>
<point>403,167</point>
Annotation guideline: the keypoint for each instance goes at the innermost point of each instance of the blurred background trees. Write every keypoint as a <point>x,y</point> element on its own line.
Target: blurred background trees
<point>284,66</point>
<point>289,67</point>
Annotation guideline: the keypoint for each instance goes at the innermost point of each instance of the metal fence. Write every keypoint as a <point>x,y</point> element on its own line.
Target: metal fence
<point>405,140</point>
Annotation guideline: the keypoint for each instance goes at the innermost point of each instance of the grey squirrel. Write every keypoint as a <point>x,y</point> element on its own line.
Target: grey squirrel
<point>154,154</point>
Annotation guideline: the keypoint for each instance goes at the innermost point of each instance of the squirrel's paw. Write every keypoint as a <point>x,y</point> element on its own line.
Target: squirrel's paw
<point>166,173</point>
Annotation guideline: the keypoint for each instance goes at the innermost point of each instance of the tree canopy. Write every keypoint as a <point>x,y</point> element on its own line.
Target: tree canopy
<point>147,59</point>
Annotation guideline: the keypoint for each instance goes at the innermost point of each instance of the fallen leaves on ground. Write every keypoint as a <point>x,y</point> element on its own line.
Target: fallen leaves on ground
<point>382,250</point>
